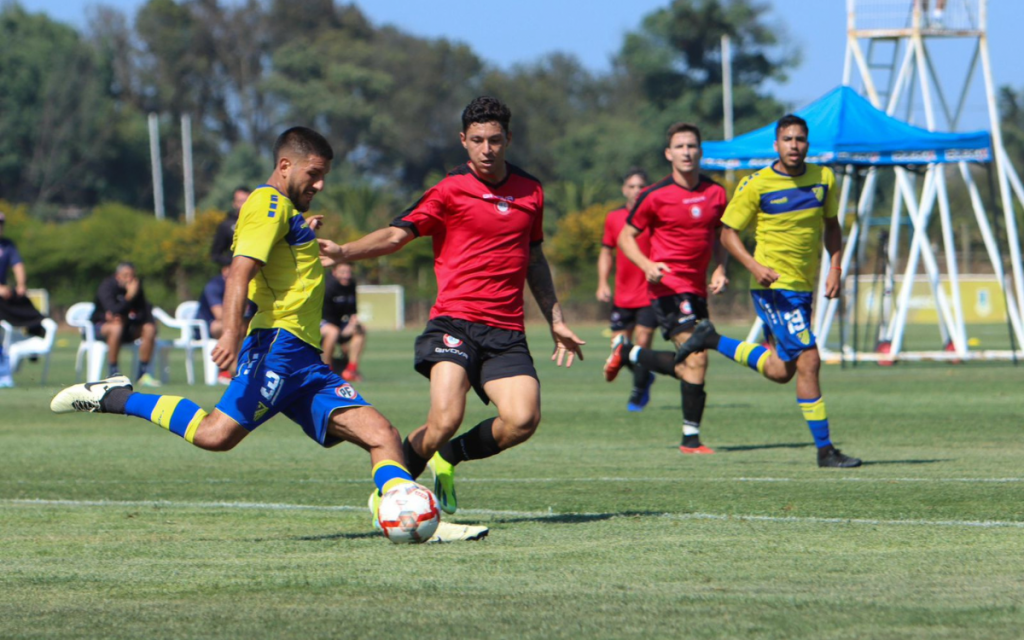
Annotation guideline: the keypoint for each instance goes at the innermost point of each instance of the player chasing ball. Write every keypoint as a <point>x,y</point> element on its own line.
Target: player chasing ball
<point>792,202</point>
<point>682,216</point>
<point>485,219</point>
<point>276,263</point>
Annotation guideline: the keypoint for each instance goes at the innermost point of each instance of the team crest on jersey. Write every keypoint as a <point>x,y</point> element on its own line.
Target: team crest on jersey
<point>503,202</point>
<point>819,193</point>
<point>501,206</point>
<point>451,341</point>
<point>346,391</point>
<point>695,211</point>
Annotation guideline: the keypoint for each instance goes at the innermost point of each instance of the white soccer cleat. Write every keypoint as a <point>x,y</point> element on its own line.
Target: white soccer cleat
<point>87,396</point>
<point>453,532</point>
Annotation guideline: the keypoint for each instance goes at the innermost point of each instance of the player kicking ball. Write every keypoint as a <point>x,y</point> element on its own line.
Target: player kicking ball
<point>278,368</point>
<point>485,219</point>
<point>792,202</point>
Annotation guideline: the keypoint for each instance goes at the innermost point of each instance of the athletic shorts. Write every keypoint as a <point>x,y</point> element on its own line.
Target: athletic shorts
<point>679,312</point>
<point>132,329</point>
<point>486,353</point>
<point>279,373</point>
<point>623,319</point>
<point>342,339</point>
<point>787,316</point>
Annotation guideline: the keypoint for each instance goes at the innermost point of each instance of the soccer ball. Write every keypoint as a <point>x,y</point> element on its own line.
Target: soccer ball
<point>408,513</point>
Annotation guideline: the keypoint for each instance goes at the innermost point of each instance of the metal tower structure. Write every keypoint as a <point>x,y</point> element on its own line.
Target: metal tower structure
<point>889,57</point>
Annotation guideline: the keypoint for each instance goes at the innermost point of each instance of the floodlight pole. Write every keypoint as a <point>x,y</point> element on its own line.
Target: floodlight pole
<point>186,158</point>
<point>154,158</point>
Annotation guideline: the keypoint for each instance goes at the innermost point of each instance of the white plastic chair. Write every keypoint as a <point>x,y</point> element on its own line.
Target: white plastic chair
<point>18,348</point>
<point>195,336</point>
<point>93,350</point>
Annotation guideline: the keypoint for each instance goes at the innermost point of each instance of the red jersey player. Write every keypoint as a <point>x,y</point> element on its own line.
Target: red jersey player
<point>485,221</point>
<point>683,215</point>
<point>632,315</point>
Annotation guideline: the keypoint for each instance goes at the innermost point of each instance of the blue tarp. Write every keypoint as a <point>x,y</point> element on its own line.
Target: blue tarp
<point>846,129</point>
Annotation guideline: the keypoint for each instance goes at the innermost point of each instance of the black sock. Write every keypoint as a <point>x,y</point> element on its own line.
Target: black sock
<point>114,369</point>
<point>693,410</point>
<point>414,462</point>
<point>143,368</point>
<point>641,377</point>
<point>662,362</point>
<point>113,400</point>
<point>475,444</point>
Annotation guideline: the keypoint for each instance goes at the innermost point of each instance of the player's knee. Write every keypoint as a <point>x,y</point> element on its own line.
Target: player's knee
<point>521,425</point>
<point>213,439</point>
<point>380,433</point>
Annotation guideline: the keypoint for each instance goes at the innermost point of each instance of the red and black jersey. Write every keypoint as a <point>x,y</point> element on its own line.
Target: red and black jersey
<point>630,281</point>
<point>682,224</point>
<point>482,234</point>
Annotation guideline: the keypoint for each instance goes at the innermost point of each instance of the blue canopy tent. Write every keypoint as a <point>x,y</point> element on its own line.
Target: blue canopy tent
<point>847,130</point>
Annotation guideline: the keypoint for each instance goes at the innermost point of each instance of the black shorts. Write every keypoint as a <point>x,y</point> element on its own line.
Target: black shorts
<point>623,319</point>
<point>486,353</point>
<point>679,312</point>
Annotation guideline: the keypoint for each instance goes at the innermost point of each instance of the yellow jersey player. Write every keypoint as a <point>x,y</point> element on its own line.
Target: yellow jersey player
<point>278,367</point>
<point>793,203</point>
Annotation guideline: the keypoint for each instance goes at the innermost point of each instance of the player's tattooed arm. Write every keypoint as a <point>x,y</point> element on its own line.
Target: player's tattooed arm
<point>538,276</point>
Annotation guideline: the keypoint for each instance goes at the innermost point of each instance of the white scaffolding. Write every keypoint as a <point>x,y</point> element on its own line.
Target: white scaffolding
<point>899,31</point>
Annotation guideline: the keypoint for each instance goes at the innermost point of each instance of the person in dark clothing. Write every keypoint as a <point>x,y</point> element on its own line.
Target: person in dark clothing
<point>15,307</point>
<point>220,251</point>
<point>123,315</point>
<point>340,323</point>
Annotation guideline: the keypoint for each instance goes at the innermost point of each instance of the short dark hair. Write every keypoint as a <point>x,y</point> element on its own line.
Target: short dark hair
<point>682,127</point>
<point>242,187</point>
<point>124,264</point>
<point>486,109</point>
<point>635,171</point>
<point>303,142</point>
<point>789,120</point>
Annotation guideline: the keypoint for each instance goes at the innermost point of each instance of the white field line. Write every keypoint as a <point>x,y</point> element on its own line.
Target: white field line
<point>617,480</point>
<point>271,506</point>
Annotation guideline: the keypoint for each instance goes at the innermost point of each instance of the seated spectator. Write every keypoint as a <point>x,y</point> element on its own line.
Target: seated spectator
<point>211,303</point>
<point>122,316</point>
<point>340,324</point>
<point>15,307</point>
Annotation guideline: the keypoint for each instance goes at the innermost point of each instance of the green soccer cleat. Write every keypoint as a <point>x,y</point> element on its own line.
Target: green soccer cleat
<point>374,505</point>
<point>444,483</point>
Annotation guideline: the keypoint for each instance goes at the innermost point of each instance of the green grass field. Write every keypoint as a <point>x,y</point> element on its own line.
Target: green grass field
<point>111,528</point>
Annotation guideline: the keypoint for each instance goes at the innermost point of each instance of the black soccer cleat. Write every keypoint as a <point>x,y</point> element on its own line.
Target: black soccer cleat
<point>831,457</point>
<point>698,341</point>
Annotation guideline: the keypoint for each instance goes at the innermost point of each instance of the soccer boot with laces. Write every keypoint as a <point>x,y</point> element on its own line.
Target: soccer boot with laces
<point>444,483</point>
<point>617,359</point>
<point>639,398</point>
<point>831,457</point>
<point>88,396</point>
<point>698,340</point>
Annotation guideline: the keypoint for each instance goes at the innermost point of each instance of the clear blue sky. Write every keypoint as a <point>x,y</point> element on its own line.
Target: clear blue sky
<point>527,29</point>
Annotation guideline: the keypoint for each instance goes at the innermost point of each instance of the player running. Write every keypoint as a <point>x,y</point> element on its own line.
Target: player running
<point>683,212</point>
<point>792,201</point>
<point>276,263</point>
<point>632,315</point>
<point>485,219</point>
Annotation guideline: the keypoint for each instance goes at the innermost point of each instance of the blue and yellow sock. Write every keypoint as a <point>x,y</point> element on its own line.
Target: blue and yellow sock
<point>753,355</point>
<point>178,415</point>
<point>817,419</point>
<point>388,474</point>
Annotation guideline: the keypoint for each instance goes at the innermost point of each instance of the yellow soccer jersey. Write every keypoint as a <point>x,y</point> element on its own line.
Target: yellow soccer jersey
<point>790,212</point>
<point>289,289</point>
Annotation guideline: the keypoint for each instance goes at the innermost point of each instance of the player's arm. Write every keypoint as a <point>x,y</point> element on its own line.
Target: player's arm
<point>719,279</point>
<point>236,290</point>
<point>378,243</point>
<point>538,276</point>
<point>628,244</point>
<point>730,239</point>
<point>834,245</point>
<point>20,279</point>
<point>604,272</point>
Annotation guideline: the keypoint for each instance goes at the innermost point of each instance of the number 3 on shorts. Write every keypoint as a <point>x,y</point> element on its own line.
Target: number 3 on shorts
<point>795,322</point>
<point>269,388</point>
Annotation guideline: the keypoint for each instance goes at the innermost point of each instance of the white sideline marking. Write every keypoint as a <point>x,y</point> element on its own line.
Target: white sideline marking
<point>599,479</point>
<point>274,506</point>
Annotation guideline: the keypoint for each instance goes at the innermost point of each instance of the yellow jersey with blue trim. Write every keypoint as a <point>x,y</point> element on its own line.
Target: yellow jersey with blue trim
<point>289,288</point>
<point>790,213</point>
